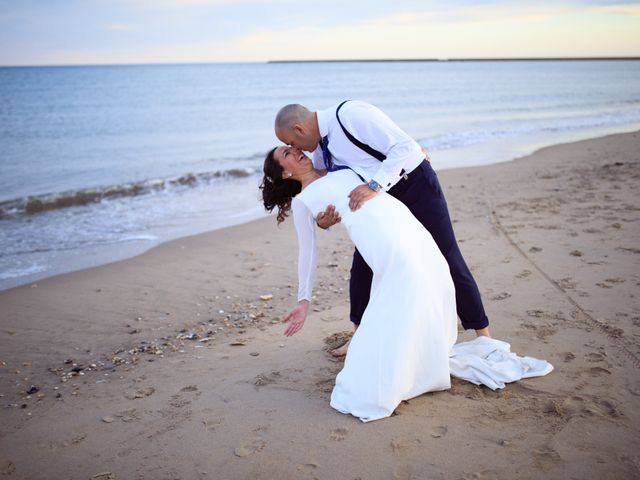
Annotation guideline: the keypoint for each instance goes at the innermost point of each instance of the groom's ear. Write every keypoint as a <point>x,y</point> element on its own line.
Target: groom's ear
<point>298,129</point>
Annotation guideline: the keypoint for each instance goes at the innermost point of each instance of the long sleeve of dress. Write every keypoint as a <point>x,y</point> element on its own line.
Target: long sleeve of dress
<point>306,229</point>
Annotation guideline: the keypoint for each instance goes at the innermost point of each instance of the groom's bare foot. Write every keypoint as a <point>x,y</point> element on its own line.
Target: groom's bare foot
<point>483,332</point>
<point>341,351</point>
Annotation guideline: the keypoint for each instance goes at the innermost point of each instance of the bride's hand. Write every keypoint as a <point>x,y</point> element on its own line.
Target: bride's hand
<point>328,218</point>
<point>297,316</point>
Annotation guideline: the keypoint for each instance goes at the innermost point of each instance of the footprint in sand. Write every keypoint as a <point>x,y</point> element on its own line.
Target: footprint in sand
<point>250,447</point>
<point>139,393</point>
<point>541,331</point>
<point>308,468</point>
<point>595,356</point>
<point>399,445</point>
<point>466,389</point>
<point>566,283</point>
<point>336,340</point>
<point>481,475</point>
<point>628,249</point>
<point>501,296</point>
<point>609,329</point>
<point>211,424</point>
<point>546,456</point>
<point>440,431</point>
<point>339,434</point>
<point>586,406</point>
<point>597,371</point>
<point>7,468</point>
<point>609,408</point>
<point>178,401</point>
<point>178,411</point>
<point>610,282</point>
<point>104,476</point>
<point>266,378</point>
<point>129,415</point>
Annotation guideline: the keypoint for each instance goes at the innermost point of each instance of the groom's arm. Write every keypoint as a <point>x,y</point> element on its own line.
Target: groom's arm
<point>373,127</point>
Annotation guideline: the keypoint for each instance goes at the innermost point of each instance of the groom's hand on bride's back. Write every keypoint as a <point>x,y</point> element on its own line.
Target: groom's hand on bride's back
<point>328,218</point>
<point>359,196</point>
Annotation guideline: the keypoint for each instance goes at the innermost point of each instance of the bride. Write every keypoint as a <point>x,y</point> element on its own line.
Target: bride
<point>402,347</point>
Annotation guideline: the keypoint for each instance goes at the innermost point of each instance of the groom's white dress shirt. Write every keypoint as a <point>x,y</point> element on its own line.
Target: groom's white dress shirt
<point>371,126</point>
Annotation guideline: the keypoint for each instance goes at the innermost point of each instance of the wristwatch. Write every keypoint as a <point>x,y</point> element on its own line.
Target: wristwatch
<point>375,186</point>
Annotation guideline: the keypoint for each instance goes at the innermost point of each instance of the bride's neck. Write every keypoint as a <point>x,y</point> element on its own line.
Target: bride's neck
<point>310,177</point>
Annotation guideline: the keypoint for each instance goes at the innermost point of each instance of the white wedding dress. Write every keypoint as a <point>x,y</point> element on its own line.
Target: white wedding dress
<point>402,347</point>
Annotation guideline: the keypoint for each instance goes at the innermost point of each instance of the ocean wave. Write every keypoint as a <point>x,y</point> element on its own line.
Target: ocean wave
<point>473,137</point>
<point>22,272</point>
<point>34,204</point>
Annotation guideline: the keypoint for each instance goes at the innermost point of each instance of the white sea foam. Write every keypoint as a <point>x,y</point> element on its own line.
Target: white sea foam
<point>32,269</point>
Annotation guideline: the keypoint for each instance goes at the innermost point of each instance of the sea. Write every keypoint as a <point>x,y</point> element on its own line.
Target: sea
<point>101,163</point>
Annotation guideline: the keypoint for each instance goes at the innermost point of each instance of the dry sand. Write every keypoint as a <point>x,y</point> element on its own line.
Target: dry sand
<point>553,240</point>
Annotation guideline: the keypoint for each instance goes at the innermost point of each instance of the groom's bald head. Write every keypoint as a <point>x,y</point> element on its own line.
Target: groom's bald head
<point>295,125</point>
<point>291,114</point>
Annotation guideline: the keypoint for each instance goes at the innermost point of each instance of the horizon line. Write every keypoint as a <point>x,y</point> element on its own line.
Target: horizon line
<point>461,59</point>
<point>336,60</point>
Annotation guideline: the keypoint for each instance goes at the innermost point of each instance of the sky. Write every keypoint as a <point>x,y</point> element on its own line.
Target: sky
<point>69,32</point>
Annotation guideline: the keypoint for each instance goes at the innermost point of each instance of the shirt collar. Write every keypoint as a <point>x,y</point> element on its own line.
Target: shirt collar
<point>324,116</point>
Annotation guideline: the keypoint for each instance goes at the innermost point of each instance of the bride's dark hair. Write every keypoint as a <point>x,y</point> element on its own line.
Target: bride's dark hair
<point>277,191</point>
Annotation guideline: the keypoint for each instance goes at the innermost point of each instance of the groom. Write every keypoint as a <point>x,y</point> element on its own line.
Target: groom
<point>359,136</point>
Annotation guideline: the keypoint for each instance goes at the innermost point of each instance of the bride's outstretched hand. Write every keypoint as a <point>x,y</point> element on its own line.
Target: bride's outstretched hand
<point>296,317</point>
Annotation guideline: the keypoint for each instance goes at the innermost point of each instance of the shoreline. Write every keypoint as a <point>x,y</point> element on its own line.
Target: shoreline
<point>112,253</point>
<point>173,364</point>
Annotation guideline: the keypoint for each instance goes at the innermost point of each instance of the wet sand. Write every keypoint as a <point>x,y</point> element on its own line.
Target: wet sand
<point>173,365</point>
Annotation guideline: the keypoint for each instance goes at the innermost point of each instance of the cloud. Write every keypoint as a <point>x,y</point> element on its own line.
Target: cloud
<point>619,9</point>
<point>156,31</point>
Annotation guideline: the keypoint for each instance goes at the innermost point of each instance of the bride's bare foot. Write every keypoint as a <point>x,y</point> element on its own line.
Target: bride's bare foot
<point>341,351</point>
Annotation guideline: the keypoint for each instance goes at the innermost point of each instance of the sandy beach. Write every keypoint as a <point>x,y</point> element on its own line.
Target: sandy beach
<point>173,364</point>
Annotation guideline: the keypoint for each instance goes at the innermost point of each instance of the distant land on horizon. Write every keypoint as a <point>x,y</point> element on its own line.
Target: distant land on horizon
<point>346,60</point>
<point>488,59</point>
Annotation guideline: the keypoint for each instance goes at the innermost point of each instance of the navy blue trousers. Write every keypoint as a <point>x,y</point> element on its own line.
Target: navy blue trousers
<point>421,192</point>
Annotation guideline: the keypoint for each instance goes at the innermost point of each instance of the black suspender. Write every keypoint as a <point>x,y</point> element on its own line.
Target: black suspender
<point>363,146</point>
